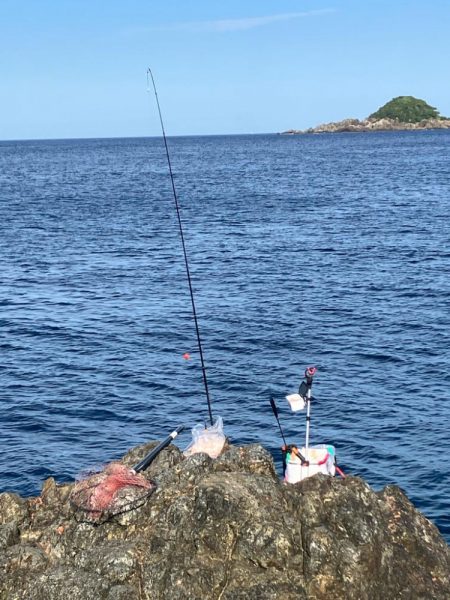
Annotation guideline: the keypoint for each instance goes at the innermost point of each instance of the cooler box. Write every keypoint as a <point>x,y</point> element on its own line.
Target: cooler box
<point>322,459</point>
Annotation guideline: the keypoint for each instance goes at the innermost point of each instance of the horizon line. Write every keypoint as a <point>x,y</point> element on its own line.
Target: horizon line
<point>133,137</point>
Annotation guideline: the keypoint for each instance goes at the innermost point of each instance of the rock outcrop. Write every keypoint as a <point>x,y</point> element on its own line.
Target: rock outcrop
<point>225,529</point>
<point>355,125</point>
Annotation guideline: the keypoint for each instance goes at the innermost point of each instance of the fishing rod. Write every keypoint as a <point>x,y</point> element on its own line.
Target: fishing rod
<point>188,273</point>
<point>286,447</point>
<point>275,414</point>
<point>144,463</point>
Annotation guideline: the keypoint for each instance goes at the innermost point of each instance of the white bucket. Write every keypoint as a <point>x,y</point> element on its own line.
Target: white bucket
<point>321,460</point>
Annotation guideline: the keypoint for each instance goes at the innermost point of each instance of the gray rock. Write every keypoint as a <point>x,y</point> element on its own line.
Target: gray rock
<point>9,534</point>
<point>225,529</point>
<point>12,508</point>
<point>355,125</point>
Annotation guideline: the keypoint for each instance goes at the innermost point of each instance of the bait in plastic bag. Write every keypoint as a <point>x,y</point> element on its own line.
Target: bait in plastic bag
<point>209,440</point>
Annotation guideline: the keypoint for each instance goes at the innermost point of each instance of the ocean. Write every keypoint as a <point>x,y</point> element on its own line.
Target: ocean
<point>329,250</point>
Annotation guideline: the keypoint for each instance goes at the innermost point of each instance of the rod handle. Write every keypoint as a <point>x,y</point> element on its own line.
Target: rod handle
<point>145,462</point>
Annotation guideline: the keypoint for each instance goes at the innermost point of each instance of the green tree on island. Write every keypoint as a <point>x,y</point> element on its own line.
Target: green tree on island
<point>406,109</point>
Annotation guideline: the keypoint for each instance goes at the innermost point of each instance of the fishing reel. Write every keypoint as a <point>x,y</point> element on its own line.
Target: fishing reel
<point>293,449</point>
<point>309,374</point>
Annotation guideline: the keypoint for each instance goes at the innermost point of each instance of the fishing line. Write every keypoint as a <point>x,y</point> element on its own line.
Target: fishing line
<point>188,273</point>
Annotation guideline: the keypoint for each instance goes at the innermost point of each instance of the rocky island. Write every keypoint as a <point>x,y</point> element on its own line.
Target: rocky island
<point>401,113</point>
<point>224,529</point>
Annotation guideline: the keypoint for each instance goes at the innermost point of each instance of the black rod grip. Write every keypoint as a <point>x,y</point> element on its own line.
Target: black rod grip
<point>145,462</point>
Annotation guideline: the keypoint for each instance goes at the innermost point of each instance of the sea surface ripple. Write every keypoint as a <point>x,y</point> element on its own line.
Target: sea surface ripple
<point>330,250</point>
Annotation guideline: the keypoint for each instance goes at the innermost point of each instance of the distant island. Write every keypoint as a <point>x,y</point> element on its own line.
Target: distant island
<point>401,113</point>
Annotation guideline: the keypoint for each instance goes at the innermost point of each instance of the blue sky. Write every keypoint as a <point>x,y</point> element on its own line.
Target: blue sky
<point>76,68</point>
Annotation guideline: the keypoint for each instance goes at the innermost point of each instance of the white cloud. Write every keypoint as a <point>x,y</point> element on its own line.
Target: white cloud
<point>225,25</point>
<point>249,22</point>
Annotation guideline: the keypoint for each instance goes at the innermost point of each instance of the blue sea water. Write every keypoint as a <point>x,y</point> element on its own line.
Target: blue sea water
<point>330,250</point>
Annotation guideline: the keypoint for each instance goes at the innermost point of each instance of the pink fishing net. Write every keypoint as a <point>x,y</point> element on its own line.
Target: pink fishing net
<point>114,490</point>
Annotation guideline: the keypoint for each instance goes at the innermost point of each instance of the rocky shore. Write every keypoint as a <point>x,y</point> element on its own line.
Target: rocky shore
<point>355,125</point>
<point>224,529</point>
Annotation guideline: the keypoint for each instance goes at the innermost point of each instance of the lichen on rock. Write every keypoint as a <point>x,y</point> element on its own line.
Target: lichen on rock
<point>225,529</point>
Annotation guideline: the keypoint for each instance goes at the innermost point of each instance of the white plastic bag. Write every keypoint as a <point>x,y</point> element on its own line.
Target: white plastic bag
<point>209,440</point>
<point>296,402</point>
